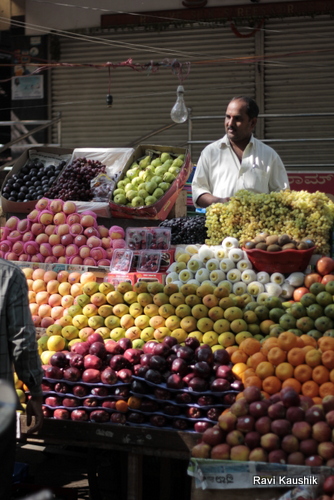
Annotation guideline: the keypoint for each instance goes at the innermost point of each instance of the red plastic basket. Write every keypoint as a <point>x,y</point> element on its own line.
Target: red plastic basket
<point>284,261</point>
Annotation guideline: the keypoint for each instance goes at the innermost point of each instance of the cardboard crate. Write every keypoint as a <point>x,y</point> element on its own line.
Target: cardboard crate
<point>116,278</point>
<point>160,209</point>
<point>46,152</point>
<point>151,277</point>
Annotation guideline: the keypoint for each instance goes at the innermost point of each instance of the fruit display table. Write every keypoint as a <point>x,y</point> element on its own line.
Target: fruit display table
<point>135,441</point>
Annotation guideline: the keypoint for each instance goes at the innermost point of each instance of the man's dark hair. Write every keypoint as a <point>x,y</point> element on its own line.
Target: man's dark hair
<point>252,109</point>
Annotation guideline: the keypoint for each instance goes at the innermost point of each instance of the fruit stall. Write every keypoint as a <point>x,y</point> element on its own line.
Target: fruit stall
<point>207,339</point>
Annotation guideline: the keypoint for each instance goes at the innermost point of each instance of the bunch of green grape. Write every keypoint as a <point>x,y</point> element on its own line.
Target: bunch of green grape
<point>299,214</point>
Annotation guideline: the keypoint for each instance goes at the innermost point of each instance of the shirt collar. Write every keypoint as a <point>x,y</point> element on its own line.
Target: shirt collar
<point>226,142</point>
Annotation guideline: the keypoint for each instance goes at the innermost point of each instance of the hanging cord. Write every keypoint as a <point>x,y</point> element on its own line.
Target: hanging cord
<point>252,33</point>
<point>109,96</point>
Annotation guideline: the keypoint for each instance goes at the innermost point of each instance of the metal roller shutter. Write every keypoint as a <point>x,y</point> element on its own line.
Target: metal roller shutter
<point>142,102</point>
<point>300,83</point>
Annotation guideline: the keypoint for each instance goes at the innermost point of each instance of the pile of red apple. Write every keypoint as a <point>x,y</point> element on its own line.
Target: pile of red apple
<point>184,386</point>
<point>286,428</point>
<point>55,233</point>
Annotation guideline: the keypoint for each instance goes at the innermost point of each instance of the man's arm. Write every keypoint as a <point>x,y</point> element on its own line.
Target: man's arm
<point>207,199</point>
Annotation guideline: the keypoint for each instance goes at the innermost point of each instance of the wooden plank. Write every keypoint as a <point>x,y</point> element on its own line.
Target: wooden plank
<point>180,207</point>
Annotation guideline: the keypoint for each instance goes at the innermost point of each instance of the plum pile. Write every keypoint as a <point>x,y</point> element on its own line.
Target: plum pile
<point>74,183</point>
<point>187,229</point>
<point>32,182</point>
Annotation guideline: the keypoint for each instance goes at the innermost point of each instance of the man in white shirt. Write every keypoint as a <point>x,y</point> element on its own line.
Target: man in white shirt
<point>238,160</point>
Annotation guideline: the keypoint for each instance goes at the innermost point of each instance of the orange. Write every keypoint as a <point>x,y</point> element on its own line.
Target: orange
<point>276,355</point>
<point>239,369</point>
<point>255,359</point>
<point>271,385</point>
<point>307,348</point>
<point>268,344</point>
<point>249,372</point>
<point>308,340</point>
<point>284,371</point>
<point>134,402</point>
<point>121,406</point>
<point>265,395</point>
<point>253,381</point>
<point>326,389</point>
<point>250,346</point>
<point>303,373</point>
<point>327,359</point>
<point>231,348</point>
<point>320,374</point>
<point>287,340</point>
<point>264,369</point>
<point>310,388</point>
<point>300,343</point>
<point>239,357</point>
<point>292,382</point>
<point>317,400</point>
<point>326,343</point>
<point>331,375</point>
<point>313,358</point>
<point>296,356</point>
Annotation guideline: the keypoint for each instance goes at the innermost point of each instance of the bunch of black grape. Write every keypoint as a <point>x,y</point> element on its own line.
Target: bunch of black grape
<point>32,182</point>
<point>74,183</point>
<point>187,229</point>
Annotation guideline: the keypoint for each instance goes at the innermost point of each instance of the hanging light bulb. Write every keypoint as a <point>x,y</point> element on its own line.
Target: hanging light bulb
<point>179,113</point>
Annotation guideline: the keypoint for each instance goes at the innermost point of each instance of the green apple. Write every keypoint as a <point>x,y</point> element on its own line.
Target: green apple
<point>158,193</point>
<point>161,170</point>
<point>168,177</point>
<point>118,191</point>
<point>177,162</point>
<point>132,172</point>
<point>165,156</point>
<point>132,193</point>
<point>164,186</point>
<point>150,200</point>
<point>157,179</point>
<point>150,186</point>
<point>156,162</point>
<point>137,201</point>
<point>136,181</point>
<point>120,199</point>
<point>142,192</point>
<point>174,170</point>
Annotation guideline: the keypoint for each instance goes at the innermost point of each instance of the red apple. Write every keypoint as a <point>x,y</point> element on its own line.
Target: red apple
<point>326,450</point>
<point>328,486</point>
<point>240,453</point>
<point>276,411</point>
<point>245,424</point>
<point>252,439</point>
<point>321,432</point>
<point>227,421</point>
<point>213,436</point>
<point>314,461</point>
<point>277,457</point>
<point>296,458</point>
<point>53,401</point>
<point>258,408</point>
<point>91,376</point>
<point>72,374</point>
<point>221,452</point>
<point>240,407</point>
<point>71,402</point>
<point>79,414</point>
<point>302,430</point>
<point>109,376</point>
<point>99,416</point>
<point>61,414</point>
<point>290,443</point>
<point>281,427</point>
<point>235,438</point>
<point>314,414</point>
<point>80,391</point>
<point>328,402</point>
<point>270,442</point>
<point>201,450</point>
<point>295,414</point>
<point>263,425</point>
<point>258,455</point>
<point>252,393</point>
<point>308,447</point>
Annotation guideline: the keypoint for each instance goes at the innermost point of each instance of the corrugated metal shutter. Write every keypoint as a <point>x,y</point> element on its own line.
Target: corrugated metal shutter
<point>142,101</point>
<point>300,79</point>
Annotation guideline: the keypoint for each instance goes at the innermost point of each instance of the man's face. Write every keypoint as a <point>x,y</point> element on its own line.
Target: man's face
<point>238,126</point>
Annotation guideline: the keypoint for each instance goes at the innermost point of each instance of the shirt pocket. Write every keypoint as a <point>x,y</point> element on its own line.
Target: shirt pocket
<point>256,179</point>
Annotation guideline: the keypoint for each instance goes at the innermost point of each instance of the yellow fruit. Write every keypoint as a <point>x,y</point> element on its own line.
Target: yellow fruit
<point>226,339</point>
<point>56,343</point>
<point>210,338</point>
<point>242,336</point>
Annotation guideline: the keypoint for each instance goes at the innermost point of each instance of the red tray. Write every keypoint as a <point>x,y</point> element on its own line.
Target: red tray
<point>284,261</point>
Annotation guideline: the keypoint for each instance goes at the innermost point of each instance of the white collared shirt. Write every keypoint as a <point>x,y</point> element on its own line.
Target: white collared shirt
<point>220,173</point>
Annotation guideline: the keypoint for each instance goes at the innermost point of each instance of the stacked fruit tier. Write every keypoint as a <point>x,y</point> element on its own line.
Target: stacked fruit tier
<point>82,401</point>
<point>184,409</point>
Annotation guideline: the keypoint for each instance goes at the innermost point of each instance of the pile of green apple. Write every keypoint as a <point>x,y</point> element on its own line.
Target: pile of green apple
<point>146,181</point>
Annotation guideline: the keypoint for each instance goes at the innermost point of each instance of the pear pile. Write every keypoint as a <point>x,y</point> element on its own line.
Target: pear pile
<point>146,181</point>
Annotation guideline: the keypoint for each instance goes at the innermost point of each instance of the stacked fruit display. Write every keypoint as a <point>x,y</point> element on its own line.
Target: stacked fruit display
<point>146,181</point>
<point>286,428</point>
<point>299,214</point>
<point>302,363</point>
<point>164,384</point>
<point>55,233</point>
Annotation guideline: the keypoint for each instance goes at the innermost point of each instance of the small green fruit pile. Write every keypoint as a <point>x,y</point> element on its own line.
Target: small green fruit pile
<point>147,181</point>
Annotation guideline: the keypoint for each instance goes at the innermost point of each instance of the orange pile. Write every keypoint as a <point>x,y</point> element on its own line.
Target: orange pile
<point>302,362</point>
